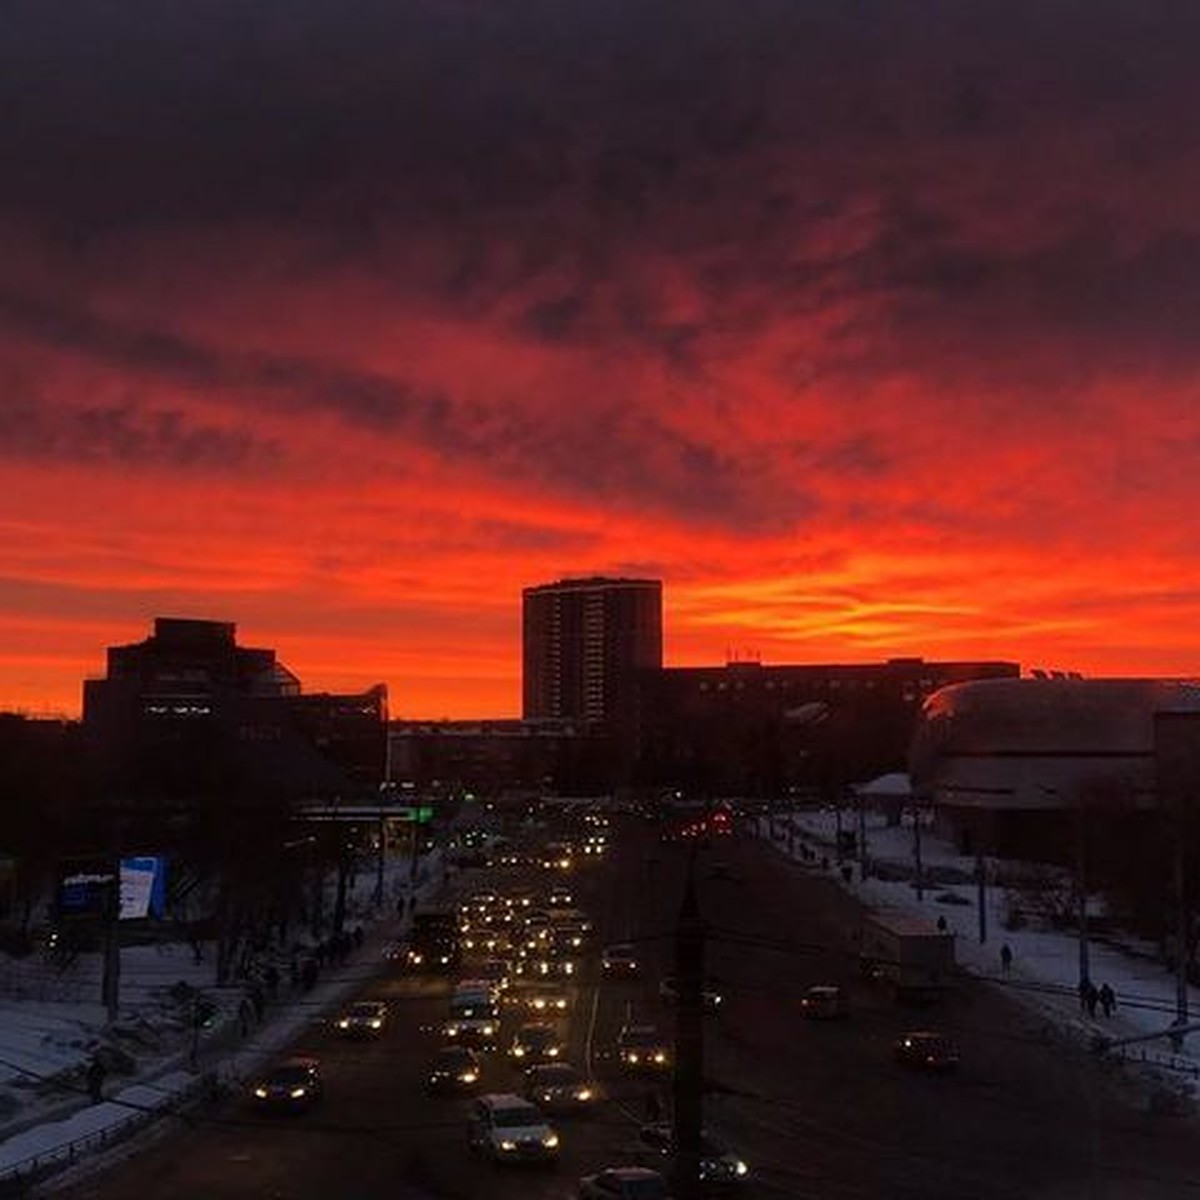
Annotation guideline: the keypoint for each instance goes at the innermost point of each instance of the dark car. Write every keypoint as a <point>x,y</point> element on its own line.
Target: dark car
<point>624,1183</point>
<point>719,1166</point>
<point>642,1048</point>
<point>535,1044</point>
<point>824,1002</point>
<point>292,1086</point>
<point>926,1051</point>
<point>559,1088</point>
<point>454,1069</point>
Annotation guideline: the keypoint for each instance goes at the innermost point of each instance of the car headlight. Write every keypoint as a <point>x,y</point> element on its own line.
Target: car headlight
<point>468,1077</point>
<point>415,958</point>
<point>740,1168</point>
<point>539,1003</point>
<point>452,1031</point>
<point>344,1023</point>
<point>583,1094</point>
<point>296,1093</point>
<point>376,1023</point>
<point>552,1051</point>
<point>631,1056</point>
<point>488,1030</point>
<point>518,1052</point>
<point>507,1145</point>
<point>550,1140</point>
<point>261,1092</point>
<point>660,1057</point>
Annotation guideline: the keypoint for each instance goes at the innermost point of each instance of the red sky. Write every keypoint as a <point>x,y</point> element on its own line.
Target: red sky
<point>871,329</point>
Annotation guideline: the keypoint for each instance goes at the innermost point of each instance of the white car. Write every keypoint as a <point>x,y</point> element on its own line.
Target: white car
<point>509,1129</point>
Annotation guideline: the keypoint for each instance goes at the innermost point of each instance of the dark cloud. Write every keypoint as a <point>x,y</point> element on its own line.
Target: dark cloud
<point>591,446</point>
<point>125,435</point>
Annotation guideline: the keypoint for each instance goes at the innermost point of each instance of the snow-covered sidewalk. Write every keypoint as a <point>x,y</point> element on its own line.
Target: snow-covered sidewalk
<point>34,1148</point>
<point>1044,968</point>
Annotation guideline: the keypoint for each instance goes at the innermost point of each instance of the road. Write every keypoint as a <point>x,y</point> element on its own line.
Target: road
<point>818,1109</point>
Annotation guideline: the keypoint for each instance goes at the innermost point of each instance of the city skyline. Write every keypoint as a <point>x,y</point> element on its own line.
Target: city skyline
<point>869,337</point>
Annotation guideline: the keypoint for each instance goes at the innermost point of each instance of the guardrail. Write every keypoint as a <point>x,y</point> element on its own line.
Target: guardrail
<point>17,1178</point>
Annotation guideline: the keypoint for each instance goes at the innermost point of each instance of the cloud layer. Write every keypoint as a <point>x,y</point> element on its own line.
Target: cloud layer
<point>870,332</point>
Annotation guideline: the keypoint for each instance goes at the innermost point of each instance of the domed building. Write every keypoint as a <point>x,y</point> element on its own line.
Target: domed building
<point>1011,765</point>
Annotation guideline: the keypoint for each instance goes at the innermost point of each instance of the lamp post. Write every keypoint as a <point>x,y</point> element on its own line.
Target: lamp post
<point>1081,916</point>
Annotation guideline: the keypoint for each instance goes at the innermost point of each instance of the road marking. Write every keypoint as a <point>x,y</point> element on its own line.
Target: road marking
<point>587,1047</point>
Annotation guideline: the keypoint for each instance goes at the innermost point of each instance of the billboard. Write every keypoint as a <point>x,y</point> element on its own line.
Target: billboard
<point>84,887</point>
<point>143,887</point>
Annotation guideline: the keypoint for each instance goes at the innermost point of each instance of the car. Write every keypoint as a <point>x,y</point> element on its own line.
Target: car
<point>545,997</point>
<point>927,1051</point>
<point>535,1044</point>
<point>495,971</point>
<point>560,1088</point>
<point>507,1128</point>
<point>367,1018</point>
<point>619,961</point>
<point>710,994</point>
<point>719,1166</point>
<point>643,1048</point>
<point>560,897</point>
<point>474,1018</point>
<point>292,1086</point>
<point>624,1183</point>
<point>454,1069</point>
<point>824,1002</point>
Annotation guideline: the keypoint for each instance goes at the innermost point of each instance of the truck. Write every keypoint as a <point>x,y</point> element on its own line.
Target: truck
<point>433,943</point>
<point>909,954</point>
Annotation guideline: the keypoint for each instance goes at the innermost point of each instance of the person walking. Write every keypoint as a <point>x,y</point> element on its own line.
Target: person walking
<point>1006,957</point>
<point>1088,995</point>
<point>1108,1000</point>
<point>95,1080</point>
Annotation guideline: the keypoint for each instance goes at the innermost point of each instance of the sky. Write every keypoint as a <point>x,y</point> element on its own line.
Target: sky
<point>869,327</point>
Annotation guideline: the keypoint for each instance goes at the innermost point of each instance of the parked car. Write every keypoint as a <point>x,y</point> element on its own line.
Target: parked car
<point>710,994</point>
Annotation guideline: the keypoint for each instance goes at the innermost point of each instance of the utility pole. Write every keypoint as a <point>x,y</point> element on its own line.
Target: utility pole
<point>689,1042</point>
<point>110,985</point>
<point>981,888</point>
<point>862,838</point>
<point>917,851</point>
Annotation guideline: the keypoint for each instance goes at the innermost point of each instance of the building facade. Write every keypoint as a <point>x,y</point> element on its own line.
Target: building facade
<point>586,643</point>
<point>189,713</point>
<point>751,729</point>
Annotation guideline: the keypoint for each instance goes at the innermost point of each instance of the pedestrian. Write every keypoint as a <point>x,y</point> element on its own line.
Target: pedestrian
<point>1088,995</point>
<point>1005,958</point>
<point>1108,1000</point>
<point>95,1079</point>
<point>942,927</point>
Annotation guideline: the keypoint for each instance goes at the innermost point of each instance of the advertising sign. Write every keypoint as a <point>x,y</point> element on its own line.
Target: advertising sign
<point>84,887</point>
<point>143,887</point>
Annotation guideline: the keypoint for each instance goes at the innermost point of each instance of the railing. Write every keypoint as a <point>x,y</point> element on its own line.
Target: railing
<point>18,1177</point>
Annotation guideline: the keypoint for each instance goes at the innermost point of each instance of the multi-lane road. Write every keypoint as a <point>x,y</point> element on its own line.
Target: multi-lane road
<point>819,1109</point>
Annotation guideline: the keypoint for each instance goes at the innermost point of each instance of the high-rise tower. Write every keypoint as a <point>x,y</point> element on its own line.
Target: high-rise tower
<point>585,643</point>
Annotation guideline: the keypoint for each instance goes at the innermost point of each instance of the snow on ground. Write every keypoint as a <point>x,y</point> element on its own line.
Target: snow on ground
<point>52,1024</point>
<point>1044,972</point>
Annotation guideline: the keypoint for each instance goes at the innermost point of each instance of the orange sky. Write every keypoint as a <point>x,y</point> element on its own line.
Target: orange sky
<point>867,339</point>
